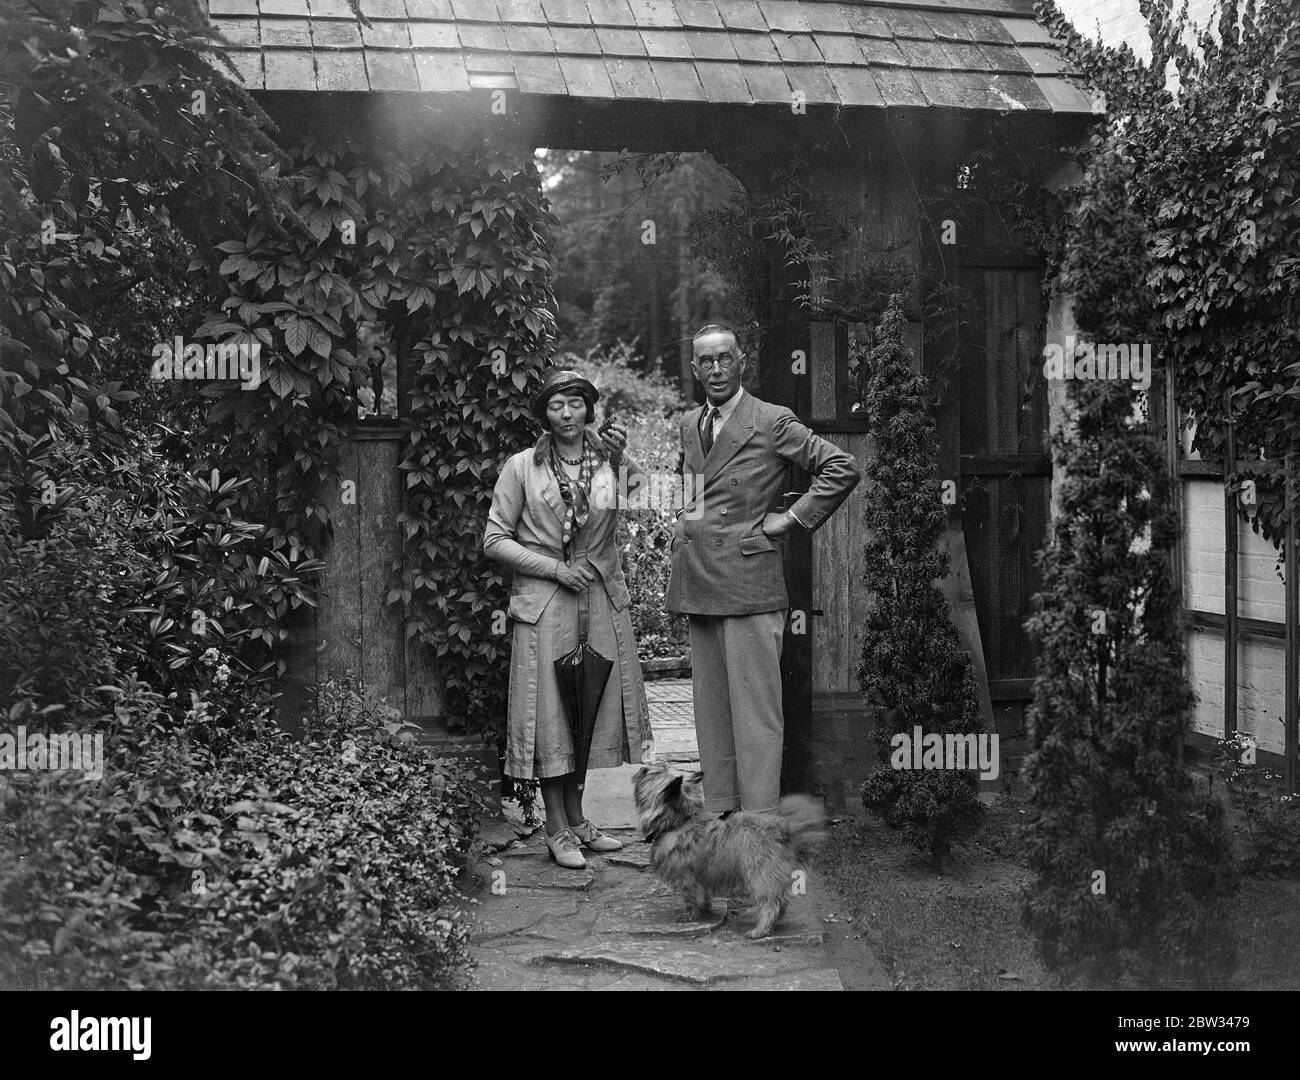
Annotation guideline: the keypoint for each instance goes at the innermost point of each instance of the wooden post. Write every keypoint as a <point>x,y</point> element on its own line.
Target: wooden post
<point>1172,452</point>
<point>1230,627</point>
<point>1292,682</point>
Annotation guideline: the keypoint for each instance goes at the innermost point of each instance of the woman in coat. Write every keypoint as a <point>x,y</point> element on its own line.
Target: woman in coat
<point>552,522</point>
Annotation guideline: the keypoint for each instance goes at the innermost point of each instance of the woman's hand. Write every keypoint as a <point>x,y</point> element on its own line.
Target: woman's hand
<point>574,578</point>
<point>614,440</point>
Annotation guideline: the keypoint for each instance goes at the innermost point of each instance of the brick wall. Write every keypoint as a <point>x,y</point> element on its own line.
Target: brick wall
<point>1260,595</point>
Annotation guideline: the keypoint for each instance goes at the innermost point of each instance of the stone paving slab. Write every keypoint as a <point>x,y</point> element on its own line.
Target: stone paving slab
<point>810,979</point>
<point>637,857</point>
<point>645,907</point>
<point>704,963</point>
<point>536,873</point>
<point>646,982</point>
<point>614,926</point>
<point>798,926</point>
<point>668,690</point>
<point>521,911</point>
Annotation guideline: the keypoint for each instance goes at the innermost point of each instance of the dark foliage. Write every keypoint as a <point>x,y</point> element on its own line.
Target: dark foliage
<point>1133,873</point>
<point>913,668</point>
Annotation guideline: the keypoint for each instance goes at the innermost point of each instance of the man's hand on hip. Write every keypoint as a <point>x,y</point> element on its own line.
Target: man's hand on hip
<point>776,525</point>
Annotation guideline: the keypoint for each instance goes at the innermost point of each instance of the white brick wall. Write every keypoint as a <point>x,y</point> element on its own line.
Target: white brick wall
<point>1259,687</point>
<point>1261,594</point>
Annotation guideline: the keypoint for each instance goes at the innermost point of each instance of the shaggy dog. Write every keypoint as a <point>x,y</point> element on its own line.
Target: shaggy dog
<point>755,854</point>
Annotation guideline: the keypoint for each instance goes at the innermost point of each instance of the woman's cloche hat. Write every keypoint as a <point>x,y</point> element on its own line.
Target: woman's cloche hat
<point>564,381</point>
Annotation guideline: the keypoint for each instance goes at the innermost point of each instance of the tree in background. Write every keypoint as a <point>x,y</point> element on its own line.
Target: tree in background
<point>913,669</point>
<point>619,278</point>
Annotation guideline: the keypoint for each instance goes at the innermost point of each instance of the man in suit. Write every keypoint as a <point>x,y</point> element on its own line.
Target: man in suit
<point>727,570</point>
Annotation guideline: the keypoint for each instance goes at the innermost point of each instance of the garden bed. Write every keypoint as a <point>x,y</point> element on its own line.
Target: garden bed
<point>961,929</point>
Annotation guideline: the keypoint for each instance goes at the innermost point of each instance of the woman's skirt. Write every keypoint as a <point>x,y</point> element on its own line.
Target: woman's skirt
<point>538,741</point>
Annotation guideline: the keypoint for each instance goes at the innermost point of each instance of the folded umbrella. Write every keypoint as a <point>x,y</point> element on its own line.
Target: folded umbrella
<point>582,674</point>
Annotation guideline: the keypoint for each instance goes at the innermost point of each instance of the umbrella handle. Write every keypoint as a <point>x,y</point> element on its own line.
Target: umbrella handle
<point>583,614</point>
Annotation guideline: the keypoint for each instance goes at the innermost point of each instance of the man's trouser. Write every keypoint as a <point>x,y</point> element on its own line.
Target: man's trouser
<point>736,668</point>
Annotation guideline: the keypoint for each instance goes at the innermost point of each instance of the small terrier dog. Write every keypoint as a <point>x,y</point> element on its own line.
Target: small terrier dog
<point>752,853</point>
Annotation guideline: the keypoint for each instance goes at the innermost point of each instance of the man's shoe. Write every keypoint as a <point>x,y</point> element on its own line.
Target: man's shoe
<point>565,851</point>
<point>593,838</point>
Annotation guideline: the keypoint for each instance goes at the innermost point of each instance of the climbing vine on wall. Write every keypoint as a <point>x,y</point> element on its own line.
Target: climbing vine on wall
<point>1184,227</point>
<point>446,247</point>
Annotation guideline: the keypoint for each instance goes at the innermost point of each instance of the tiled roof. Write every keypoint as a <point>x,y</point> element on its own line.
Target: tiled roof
<point>969,54</point>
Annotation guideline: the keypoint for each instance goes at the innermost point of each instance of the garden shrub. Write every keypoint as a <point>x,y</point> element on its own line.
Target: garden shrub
<point>1132,870</point>
<point>140,562</point>
<point>1272,817</point>
<point>913,667</point>
<point>634,396</point>
<point>327,863</point>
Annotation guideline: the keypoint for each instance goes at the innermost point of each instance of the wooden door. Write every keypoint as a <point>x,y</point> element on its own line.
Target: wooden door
<point>1006,467</point>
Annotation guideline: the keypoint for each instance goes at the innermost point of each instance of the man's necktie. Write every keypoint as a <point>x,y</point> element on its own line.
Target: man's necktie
<point>706,433</point>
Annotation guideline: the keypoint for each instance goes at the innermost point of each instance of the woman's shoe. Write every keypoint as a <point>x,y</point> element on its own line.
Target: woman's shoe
<point>564,850</point>
<point>593,838</point>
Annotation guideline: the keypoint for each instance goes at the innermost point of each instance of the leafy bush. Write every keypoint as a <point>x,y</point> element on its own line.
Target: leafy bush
<point>322,864</point>
<point>913,668</point>
<point>132,564</point>
<point>1272,817</point>
<point>1133,873</point>
<point>634,396</point>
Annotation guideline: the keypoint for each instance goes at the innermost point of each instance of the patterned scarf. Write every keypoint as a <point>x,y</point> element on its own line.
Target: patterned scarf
<point>577,506</point>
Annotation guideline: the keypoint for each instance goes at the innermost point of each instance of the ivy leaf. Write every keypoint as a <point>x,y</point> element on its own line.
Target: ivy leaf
<point>318,340</point>
<point>280,381</point>
<point>420,296</point>
<point>464,277</point>
<point>297,335</point>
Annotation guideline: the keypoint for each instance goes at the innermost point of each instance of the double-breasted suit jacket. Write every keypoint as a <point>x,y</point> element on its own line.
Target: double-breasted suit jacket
<point>722,562</point>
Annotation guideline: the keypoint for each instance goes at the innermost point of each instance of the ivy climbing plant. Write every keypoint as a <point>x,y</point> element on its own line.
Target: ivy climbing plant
<point>447,247</point>
<point>1183,227</point>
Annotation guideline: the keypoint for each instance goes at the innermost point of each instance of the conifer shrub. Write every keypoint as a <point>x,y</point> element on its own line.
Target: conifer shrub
<point>1132,867</point>
<point>913,670</point>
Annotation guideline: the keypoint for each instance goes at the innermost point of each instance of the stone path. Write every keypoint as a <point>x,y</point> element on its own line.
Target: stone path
<point>614,926</point>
